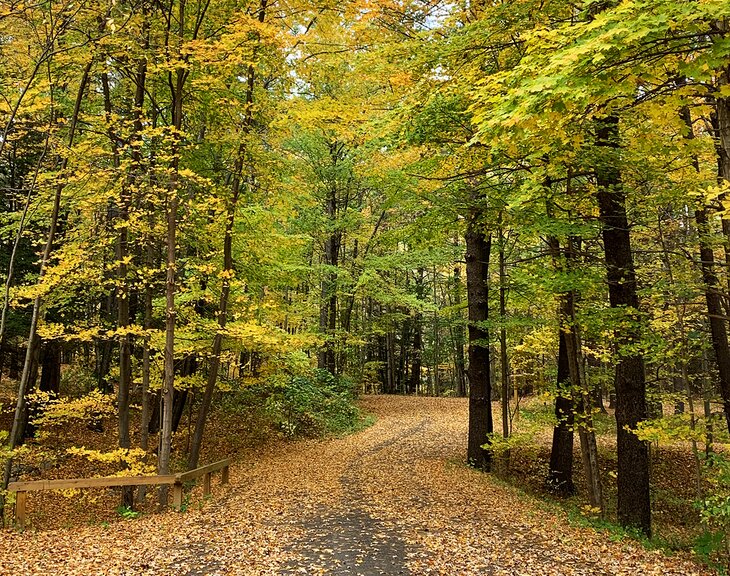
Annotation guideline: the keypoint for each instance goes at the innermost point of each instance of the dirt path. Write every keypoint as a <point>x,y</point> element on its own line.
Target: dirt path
<point>393,499</point>
<point>345,539</point>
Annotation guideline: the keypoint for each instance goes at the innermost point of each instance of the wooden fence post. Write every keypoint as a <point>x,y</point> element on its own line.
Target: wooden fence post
<point>206,484</point>
<point>177,495</point>
<point>224,475</point>
<point>20,509</point>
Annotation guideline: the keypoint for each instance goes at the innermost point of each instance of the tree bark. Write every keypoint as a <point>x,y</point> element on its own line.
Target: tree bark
<point>416,359</point>
<point>634,508</point>
<point>177,84</point>
<point>51,367</point>
<point>560,475</point>
<point>328,310</point>
<point>123,318</point>
<point>459,359</point>
<point>713,296</point>
<point>478,247</point>
<point>721,126</point>
<point>504,365</point>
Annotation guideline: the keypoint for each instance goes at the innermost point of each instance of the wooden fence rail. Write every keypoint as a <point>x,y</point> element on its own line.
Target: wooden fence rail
<point>21,489</point>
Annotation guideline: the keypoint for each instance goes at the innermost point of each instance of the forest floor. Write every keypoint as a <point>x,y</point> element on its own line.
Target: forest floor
<point>392,499</point>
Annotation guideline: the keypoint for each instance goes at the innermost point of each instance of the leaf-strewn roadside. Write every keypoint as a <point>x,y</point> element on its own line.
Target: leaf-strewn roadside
<point>400,480</point>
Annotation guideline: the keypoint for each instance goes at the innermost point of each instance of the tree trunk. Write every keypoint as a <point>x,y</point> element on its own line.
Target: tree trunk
<point>390,356</point>
<point>721,125</point>
<point>328,310</point>
<point>123,315</point>
<point>14,367</point>
<point>504,365</point>
<point>18,426</point>
<point>416,359</point>
<point>459,360</point>
<point>48,358</point>
<point>436,337</point>
<point>478,247</point>
<point>560,476</point>
<point>634,508</point>
<point>14,250</point>
<point>168,387</point>
<point>228,270</point>
<point>178,408</point>
<point>713,298</point>
<point>583,413</point>
<point>51,367</point>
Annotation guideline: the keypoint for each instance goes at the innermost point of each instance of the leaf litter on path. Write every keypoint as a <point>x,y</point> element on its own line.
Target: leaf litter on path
<point>391,499</point>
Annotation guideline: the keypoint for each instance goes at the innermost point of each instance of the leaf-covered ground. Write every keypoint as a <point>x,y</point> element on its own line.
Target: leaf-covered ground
<point>392,499</point>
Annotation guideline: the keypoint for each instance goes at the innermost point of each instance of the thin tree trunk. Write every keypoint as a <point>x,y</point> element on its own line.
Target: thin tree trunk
<point>123,319</point>
<point>721,125</point>
<point>328,311</point>
<point>16,432</point>
<point>144,431</point>
<point>583,416</point>
<point>390,358</point>
<point>436,337</point>
<point>504,366</point>
<point>459,359</point>
<point>713,297</point>
<point>416,359</point>
<point>228,271</point>
<point>707,407</point>
<point>576,365</point>
<point>168,387</point>
<point>16,242</point>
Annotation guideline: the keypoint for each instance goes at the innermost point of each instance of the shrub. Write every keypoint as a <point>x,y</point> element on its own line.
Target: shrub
<point>313,404</point>
<point>714,509</point>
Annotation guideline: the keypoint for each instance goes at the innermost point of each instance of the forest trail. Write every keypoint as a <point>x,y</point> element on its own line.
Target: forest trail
<point>392,499</point>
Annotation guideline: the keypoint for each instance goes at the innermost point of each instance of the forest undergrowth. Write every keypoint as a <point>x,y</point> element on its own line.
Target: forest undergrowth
<point>676,492</point>
<point>77,438</point>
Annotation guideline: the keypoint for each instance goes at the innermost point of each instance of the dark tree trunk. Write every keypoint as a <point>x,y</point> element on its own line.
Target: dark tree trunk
<point>27,427</point>
<point>390,356</point>
<point>153,427</point>
<point>416,359</point>
<point>634,508</point>
<point>560,476</point>
<point>3,351</point>
<point>188,368</point>
<point>678,389</point>
<point>178,408</point>
<point>51,367</point>
<point>598,400</point>
<point>402,381</point>
<point>14,367</point>
<point>459,360</point>
<point>718,329</point>
<point>176,81</point>
<point>103,365</point>
<point>478,247</point>
<point>328,310</point>
<point>121,221</point>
